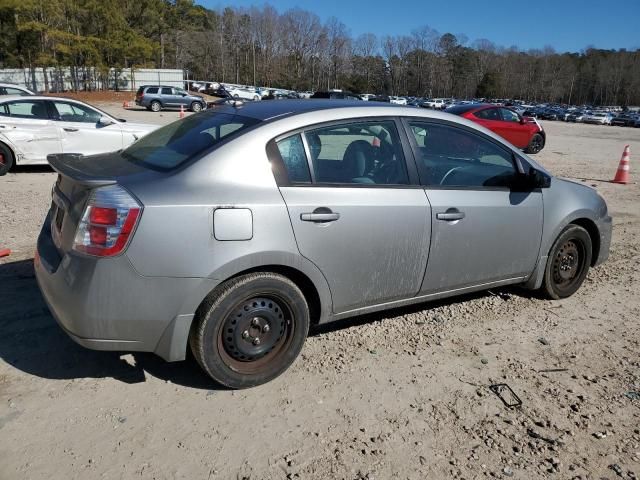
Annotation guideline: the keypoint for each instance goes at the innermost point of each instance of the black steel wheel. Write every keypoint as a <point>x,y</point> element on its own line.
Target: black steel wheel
<point>250,329</point>
<point>535,144</point>
<point>6,159</point>
<point>568,263</point>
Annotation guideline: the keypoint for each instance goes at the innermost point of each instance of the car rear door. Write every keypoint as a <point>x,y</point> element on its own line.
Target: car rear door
<point>168,97</point>
<point>357,211</point>
<point>81,131</point>
<point>483,231</point>
<point>26,124</point>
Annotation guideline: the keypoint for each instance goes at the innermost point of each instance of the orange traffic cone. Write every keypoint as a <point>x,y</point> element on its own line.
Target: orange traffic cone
<point>622,175</point>
<point>125,105</point>
<point>4,252</point>
<point>181,111</point>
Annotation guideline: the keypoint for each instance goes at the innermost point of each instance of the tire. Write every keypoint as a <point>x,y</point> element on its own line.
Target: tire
<point>7,159</point>
<point>196,107</point>
<point>256,98</point>
<point>250,329</point>
<point>155,106</point>
<point>236,96</point>
<point>535,144</point>
<point>568,263</point>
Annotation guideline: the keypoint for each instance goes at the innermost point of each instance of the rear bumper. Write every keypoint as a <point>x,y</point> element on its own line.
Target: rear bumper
<point>104,304</point>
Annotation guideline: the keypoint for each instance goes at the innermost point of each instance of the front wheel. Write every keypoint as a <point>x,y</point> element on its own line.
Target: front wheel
<point>250,329</point>
<point>568,263</point>
<point>196,107</point>
<point>6,159</point>
<point>535,144</point>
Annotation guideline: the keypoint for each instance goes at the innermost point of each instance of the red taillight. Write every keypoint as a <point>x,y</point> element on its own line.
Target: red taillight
<point>103,216</point>
<point>108,221</point>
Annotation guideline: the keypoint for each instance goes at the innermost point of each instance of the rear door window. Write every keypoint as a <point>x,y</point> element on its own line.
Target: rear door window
<point>295,159</point>
<point>167,91</point>
<point>488,114</point>
<point>174,144</point>
<point>367,153</point>
<point>35,109</point>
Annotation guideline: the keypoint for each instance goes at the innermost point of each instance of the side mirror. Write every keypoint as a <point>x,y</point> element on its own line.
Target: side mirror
<point>536,179</point>
<point>105,121</point>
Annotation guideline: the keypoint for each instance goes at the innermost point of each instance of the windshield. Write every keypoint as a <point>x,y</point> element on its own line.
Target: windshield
<point>172,145</point>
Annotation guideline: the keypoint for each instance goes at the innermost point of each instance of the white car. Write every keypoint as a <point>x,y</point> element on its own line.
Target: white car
<point>243,93</point>
<point>598,118</point>
<point>398,100</point>
<point>35,126</point>
<point>435,103</point>
<point>14,89</point>
<point>367,96</point>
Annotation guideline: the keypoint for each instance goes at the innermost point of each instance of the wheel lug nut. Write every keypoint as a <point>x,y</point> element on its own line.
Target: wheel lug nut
<point>256,341</point>
<point>245,334</point>
<point>265,329</point>
<point>255,322</point>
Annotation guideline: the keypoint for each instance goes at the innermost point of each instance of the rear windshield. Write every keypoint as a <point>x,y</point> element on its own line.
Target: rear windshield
<point>174,144</point>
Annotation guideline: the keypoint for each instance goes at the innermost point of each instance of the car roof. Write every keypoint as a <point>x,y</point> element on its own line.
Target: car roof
<point>31,98</point>
<point>268,109</point>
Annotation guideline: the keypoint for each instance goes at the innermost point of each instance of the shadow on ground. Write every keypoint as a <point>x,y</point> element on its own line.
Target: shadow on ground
<point>31,340</point>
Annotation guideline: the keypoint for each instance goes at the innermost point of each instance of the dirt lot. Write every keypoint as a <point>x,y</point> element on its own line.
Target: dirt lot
<point>397,395</point>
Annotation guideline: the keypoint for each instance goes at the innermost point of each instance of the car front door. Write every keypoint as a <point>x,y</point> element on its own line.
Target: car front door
<point>484,231</point>
<point>356,211</point>
<point>81,130</point>
<point>512,129</point>
<point>26,124</point>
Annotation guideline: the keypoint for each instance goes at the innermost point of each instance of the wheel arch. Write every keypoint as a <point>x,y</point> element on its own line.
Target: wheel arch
<point>592,229</point>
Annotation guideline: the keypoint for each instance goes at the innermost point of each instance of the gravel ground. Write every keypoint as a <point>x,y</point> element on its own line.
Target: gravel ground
<point>403,394</point>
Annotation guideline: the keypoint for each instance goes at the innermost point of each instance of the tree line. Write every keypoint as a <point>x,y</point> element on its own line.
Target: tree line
<point>295,49</point>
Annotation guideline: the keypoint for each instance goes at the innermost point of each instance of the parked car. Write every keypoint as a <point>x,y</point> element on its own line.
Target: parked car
<point>367,96</point>
<point>335,95</point>
<point>435,103</point>
<point>577,116</point>
<point>158,97</point>
<point>31,127</point>
<point>243,93</point>
<point>291,222</point>
<point>397,100</point>
<point>14,89</point>
<point>598,118</point>
<point>625,119</point>
<point>523,132</point>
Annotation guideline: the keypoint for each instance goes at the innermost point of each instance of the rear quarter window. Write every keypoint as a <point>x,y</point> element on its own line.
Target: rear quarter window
<point>152,90</point>
<point>173,145</point>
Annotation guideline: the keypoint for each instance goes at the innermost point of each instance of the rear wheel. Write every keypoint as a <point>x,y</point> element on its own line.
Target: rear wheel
<point>535,144</point>
<point>568,263</point>
<point>6,159</point>
<point>250,330</point>
<point>155,106</point>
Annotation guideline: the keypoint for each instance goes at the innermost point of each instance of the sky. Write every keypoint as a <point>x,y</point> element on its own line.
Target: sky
<point>565,25</point>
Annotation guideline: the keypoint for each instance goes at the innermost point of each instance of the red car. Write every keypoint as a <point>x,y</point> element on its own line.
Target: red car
<point>523,132</point>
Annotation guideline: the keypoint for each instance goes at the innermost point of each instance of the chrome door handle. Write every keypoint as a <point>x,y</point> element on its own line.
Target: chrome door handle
<point>320,217</point>
<point>70,129</point>
<point>450,215</point>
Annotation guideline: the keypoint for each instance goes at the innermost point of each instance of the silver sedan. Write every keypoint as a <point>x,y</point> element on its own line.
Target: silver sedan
<point>232,231</point>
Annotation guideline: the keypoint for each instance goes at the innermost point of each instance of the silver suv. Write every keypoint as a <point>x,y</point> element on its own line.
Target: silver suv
<point>234,230</point>
<point>157,97</point>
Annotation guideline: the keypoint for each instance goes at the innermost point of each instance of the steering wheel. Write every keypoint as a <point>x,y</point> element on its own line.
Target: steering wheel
<point>450,172</point>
